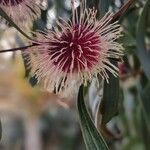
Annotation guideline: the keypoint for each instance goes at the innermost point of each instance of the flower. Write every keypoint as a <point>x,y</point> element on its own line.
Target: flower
<point>77,49</point>
<point>21,11</point>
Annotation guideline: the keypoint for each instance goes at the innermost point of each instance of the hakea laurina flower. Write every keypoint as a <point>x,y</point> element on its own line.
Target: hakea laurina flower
<point>77,50</point>
<point>21,11</point>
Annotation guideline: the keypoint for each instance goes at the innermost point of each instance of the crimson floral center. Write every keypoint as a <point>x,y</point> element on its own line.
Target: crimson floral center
<point>76,50</point>
<point>10,2</point>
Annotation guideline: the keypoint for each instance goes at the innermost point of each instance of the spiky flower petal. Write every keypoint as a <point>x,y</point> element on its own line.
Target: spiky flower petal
<point>77,49</point>
<point>21,11</point>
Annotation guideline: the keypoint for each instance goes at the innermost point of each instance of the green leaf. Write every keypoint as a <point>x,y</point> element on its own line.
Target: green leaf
<point>145,102</point>
<point>109,105</point>
<point>103,7</point>
<point>128,39</point>
<point>143,53</point>
<point>0,130</point>
<point>33,80</point>
<point>5,16</point>
<point>145,133</point>
<point>92,138</point>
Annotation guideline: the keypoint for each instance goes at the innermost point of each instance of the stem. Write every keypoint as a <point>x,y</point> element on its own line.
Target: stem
<point>122,10</point>
<point>7,18</point>
<point>19,48</point>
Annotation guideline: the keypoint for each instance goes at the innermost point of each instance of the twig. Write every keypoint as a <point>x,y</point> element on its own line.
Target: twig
<point>16,49</point>
<point>122,10</point>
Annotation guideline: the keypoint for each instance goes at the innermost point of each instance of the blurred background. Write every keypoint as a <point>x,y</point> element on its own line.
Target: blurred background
<point>33,119</point>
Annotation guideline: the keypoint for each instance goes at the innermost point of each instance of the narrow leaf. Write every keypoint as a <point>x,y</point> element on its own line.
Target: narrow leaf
<point>110,101</point>
<point>145,101</point>
<point>142,52</point>
<point>0,130</point>
<point>92,138</point>
<point>103,7</point>
<point>145,132</point>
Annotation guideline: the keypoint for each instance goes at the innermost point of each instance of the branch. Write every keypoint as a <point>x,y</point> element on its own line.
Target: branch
<point>122,10</point>
<point>10,21</point>
<point>19,48</point>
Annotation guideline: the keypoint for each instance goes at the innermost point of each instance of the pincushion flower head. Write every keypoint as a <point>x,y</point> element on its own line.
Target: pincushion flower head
<point>21,11</point>
<point>77,49</point>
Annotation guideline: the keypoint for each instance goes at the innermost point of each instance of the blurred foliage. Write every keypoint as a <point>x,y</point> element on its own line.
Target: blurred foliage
<point>130,129</point>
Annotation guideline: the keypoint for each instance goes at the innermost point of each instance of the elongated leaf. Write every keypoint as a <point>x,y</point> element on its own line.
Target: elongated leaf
<point>109,105</point>
<point>5,16</point>
<point>143,53</point>
<point>92,138</point>
<point>0,130</point>
<point>145,101</point>
<point>103,7</point>
<point>145,133</point>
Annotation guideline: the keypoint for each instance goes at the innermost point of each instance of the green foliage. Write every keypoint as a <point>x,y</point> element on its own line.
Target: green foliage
<point>143,54</point>
<point>132,104</point>
<point>0,130</point>
<point>93,139</point>
<point>145,102</point>
<point>103,7</point>
<point>110,100</point>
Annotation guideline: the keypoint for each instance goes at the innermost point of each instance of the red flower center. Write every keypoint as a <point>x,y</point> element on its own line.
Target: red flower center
<point>77,50</point>
<point>10,2</point>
